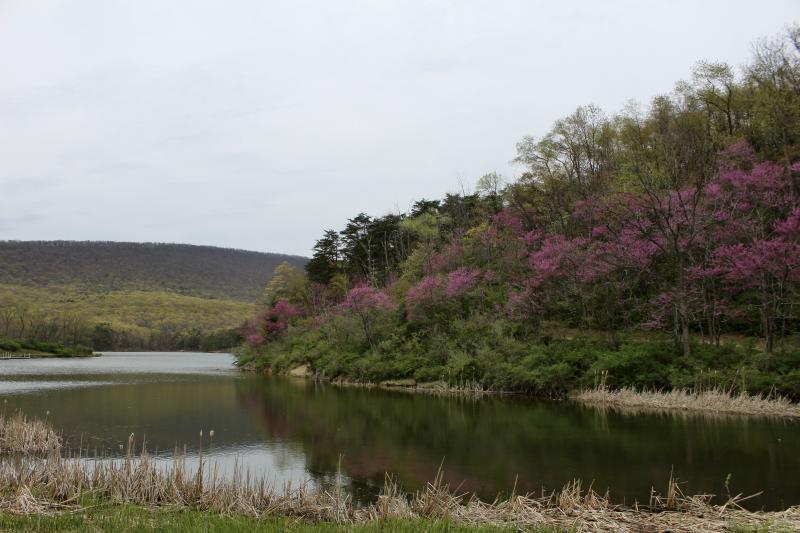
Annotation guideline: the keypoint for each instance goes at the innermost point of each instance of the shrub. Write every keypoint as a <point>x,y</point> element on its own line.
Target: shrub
<point>9,345</point>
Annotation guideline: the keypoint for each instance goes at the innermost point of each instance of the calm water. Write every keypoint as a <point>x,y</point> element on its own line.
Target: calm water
<point>288,430</point>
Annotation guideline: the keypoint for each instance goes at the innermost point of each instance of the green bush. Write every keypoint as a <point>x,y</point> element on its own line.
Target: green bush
<point>9,346</point>
<point>641,365</point>
<point>497,354</point>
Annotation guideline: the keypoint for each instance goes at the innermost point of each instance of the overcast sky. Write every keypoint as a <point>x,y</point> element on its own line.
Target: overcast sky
<point>256,124</point>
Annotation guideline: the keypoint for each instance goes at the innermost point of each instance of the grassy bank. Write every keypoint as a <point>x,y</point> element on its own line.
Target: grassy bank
<point>133,518</point>
<point>135,493</point>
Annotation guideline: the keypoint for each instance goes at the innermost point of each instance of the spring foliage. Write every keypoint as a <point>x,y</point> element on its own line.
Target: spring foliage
<point>682,219</point>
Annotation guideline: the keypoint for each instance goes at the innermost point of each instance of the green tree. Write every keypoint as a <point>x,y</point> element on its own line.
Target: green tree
<point>324,264</point>
<point>286,282</point>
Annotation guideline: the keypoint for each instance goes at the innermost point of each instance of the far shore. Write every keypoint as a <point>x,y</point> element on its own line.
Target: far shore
<point>43,355</point>
<point>713,401</point>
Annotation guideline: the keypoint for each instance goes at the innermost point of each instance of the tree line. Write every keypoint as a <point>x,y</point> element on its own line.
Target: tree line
<point>23,324</point>
<point>681,217</point>
<point>99,266</point>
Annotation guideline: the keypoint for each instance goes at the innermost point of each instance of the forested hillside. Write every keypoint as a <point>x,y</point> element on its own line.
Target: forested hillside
<point>108,295</point>
<point>203,271</point>
<point>655,247</point>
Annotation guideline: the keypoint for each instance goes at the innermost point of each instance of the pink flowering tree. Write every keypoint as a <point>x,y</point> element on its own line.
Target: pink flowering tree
<point>451,256</point>
<point>499,245</point>
<point>758,256</point>
<point>524,306</point>
<point>425,297</point>
<point>571,274</point>
<point>461,281</point>
<point>661,235</point>
<point>275,321</point>
<point>251,333</point>
<point>367,303</point>
<point>443,296</point>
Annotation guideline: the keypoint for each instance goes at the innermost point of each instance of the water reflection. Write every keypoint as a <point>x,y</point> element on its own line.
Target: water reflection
<point>296,431</point>
<point>487,446</point>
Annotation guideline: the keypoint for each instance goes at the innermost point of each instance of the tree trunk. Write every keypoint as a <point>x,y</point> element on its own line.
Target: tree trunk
<point>768,323</point>
<point>682,324</point>
<point>365,323</point>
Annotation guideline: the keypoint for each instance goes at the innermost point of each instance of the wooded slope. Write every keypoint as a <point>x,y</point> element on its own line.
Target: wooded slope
<point>202,271</point>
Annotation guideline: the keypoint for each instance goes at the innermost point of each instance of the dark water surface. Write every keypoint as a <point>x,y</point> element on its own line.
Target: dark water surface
<point>289,430</point>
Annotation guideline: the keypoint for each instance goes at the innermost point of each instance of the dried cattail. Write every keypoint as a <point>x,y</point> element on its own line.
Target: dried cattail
<point>42,485</point>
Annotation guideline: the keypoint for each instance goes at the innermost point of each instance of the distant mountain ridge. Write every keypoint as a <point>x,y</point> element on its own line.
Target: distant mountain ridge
<point>102,266</point>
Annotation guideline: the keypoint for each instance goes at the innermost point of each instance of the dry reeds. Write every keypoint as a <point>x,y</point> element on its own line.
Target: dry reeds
<point>18,435</point>
<point>467,389</point>
<point>53,484</point>
<point>712,400</point>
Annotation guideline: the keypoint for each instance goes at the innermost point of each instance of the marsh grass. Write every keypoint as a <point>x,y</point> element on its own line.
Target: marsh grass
<point>711,400</point>
<point>19,435</point>
<point>465,389</point>
<point>55,486</point>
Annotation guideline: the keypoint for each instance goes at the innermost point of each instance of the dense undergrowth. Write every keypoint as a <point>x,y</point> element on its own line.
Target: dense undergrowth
<point>490,352</point>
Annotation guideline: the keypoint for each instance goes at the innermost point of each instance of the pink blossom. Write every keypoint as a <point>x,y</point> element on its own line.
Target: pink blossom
<point>255,340</point>
<point>447,259</point>
<point>743,266</point>
<point>425,296</point>
<point>736,155</point>
<point>522,304</point>
<point>274,322</point>
<point>789,228</point>
<point>285,310</point>
<point>557,257</point>
<point>426,291</point>
<point>461,281</point>
<point>362,298</point>
<point>506,220</point>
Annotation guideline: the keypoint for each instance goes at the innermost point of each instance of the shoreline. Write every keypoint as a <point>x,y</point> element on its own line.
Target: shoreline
<point>436,388</point>
<point>8,356</point>
<point>53,486</point>
<point>712,401</point>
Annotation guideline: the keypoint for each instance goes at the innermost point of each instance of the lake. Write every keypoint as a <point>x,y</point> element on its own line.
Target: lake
<point>299,431</point>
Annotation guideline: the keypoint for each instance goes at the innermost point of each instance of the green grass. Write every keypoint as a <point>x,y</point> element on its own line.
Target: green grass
<point>130,518</point>
<point>137,311</point>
